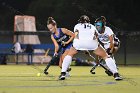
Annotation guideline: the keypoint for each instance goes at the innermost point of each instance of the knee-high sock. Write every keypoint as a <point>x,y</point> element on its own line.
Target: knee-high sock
<point>111,65</point>
<point>113,58</point>
<point>66,63</point>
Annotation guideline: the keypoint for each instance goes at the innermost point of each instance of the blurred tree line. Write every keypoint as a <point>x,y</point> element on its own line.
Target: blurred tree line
<point>123,14</point>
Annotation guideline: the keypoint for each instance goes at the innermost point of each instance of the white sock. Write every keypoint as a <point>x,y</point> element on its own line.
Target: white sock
<point>111,65</point>
<point>66,63</point>
<point>113,58</point>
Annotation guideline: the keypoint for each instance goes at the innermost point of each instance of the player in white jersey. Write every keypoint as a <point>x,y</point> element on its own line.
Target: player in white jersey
<point>85,39</point>
<point>106,37</point>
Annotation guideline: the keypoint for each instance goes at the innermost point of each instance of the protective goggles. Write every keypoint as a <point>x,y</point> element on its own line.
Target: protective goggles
<point>99,24</point>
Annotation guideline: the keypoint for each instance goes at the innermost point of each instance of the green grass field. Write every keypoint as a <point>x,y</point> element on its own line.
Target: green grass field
<point>23,79</point>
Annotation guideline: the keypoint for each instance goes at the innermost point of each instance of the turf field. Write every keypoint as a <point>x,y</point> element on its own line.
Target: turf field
<point>23,79</point>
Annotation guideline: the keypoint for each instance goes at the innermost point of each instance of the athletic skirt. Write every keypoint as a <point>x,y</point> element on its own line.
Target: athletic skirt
<point>85,44</point>
<point>106,45</point>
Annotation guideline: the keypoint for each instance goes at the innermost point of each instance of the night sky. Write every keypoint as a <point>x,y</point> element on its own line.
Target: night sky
<point>127,13</point>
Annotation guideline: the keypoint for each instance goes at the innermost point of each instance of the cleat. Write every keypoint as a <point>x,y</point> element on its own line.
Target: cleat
<point>67,74</point>
<point>117,77</point>
<point>62,76</point>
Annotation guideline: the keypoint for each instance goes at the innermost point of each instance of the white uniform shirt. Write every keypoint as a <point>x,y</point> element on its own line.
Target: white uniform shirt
<point>86,39</point>
<point>104,37</point>
<point>86,31</point>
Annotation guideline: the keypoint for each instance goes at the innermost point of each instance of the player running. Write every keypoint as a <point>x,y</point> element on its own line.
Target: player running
<point>61,37</point>
<point>85,39</point>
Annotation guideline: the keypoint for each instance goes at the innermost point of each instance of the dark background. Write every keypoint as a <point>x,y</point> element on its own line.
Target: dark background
<point>121,14</point>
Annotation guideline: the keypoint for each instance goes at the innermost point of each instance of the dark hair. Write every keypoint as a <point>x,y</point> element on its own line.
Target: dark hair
<point>103,18</point>
<point>84,19</point>
<point>51,21</point>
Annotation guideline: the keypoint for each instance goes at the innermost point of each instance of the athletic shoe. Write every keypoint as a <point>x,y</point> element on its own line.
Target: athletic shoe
<point>62,76</point>
<point>117,77</point>
<point>69,69</point>
<point>67,74</point>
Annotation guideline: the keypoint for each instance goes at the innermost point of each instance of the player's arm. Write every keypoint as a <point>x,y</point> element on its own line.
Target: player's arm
<point>76,34</point>
<point>111,39</point>
<point>96,34</point>
<point>111,43</point>
<point>55,44</point>
<point>76,31</point>
<point>70,33</point>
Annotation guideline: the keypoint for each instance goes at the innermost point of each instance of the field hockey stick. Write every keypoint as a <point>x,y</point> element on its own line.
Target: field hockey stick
<point>93,68</point>
<point>53,60</point>
<point>46,54</point>
<point>107,71</point>
<point>36,68</point>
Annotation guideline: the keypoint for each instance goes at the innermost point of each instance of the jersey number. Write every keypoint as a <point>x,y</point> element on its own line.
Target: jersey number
<point>87,26</point>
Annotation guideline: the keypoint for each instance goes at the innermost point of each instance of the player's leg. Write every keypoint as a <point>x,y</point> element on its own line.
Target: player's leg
<point>61,60</point>
<point>109,62</point>
<point>99,62</point>
<point>66,62</point>
<point>110,53</point>
<point>62,57</point>
<point>53,60</point>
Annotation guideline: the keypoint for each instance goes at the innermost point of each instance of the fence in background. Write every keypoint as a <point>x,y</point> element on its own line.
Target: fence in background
<point>128,54</point>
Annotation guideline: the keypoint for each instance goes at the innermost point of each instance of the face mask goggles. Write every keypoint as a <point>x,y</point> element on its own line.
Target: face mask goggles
<point>99,26</point>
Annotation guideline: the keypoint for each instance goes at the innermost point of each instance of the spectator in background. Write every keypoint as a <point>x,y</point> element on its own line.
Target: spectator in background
<point>29,49</point>
<point>16,48</point>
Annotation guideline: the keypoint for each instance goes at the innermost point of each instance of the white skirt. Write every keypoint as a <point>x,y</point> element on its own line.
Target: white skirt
<point>85,44</point>
<point>106,45</point>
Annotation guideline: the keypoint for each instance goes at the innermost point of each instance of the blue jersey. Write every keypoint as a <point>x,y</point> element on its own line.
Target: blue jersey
<point>62,37</point>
